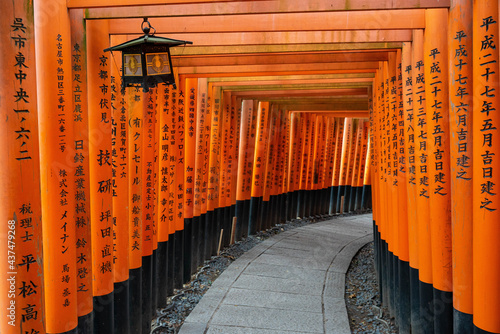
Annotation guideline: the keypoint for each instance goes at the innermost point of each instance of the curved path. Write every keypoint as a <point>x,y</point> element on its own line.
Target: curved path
<point>290,283</point>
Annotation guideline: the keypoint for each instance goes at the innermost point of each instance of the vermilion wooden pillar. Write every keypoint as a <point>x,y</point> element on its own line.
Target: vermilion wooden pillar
<point>147,209</point>
<point>120,174</point>
<point>486,164</point>
<point>21,280</point>
<point>401,178</point>
<point>461,98</point>
<point>243,161</point>
<point>339,139</point>
<point>259,163</point>
<point>411,181</point>
<point>165,284</point>
<point>101,188</point>
<point>214,166</point>
<point>293,162</point>
<point>190,129</point>
<point>57,167</point>
<point>422,179</point>
<point>346,144</point>
<point>133,98</point>
<point>438,145</point>
<point>201,167</point>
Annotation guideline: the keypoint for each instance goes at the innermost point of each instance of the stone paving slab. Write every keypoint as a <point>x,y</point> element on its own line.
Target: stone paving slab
<point>276,300</point>
<point>290,283</point>
<point>268,318</point>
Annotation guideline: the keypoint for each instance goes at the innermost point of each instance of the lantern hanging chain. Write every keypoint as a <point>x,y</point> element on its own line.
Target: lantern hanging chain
<point>147,29</point>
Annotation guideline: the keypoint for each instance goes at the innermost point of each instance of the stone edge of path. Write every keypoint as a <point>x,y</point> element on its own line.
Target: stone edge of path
<point>334,287</point>
<point>333,303</point>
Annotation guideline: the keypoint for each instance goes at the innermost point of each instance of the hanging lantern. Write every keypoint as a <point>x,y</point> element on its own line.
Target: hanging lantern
<point>146,60</point>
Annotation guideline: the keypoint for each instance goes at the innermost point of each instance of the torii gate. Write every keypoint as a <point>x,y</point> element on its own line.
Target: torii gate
<point>283,109</point>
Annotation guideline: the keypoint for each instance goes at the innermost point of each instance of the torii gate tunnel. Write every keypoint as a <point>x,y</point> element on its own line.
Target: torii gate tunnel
<point>283,109</point>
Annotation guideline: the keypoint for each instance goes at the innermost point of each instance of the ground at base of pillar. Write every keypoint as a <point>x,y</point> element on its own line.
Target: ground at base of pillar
<point>362,296</point>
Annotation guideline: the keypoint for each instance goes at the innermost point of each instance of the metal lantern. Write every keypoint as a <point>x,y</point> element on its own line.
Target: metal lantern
<point>146,60</point>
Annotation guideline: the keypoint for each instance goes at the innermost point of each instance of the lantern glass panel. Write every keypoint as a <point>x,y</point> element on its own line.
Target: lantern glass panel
<point>157,63</point>
<point>132,64</point>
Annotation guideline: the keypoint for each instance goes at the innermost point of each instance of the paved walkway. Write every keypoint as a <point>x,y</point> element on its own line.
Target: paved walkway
<point>290,283</point>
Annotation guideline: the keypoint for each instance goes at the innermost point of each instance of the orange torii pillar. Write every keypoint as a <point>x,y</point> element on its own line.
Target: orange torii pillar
<point>361,163</point>
<point>184,251</point>
<point>245,157</point>
<point>436,95</point>
<point>349,163</point>
<point>214,167</point>
<point>461,89</point>
<point>486,157</point>
<point>276,199</point>
<point>165,287</point>
<point>200,167</point>
<point>134,99</point>
<point>205,105</point>
<point>411,182</point>
<point>120,173</point>
<point>224,173</point>
<point>267,171</point>
<point>377,178</point>
<point>306,135</point>
<point>57,167</point>
<point>259,162</point>
<point>82,186</point>
<point>165,195</point>
<point>329,161</point>
<point>190,88</point>
<point>21,280</point>
<point>147,160</point>
<point>337,159</point>
<point>314,164</point>
<point>346,144</point>
<point>236,105</point>
<point>366,197</point>
<point>355,165</point>
<point>366,179</point>
<point>392,185</point>
<point>426,322</point>
<point>321,167</point>
<point>404,269</point>
<point>293,148</point>
<point>283,168</point>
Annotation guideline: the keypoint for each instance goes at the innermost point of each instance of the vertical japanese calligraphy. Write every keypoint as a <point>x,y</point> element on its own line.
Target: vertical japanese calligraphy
<point>53,54</point>
<point>100,171</point>
<point>460,81</point>
<point>486,157</point>
<point>21,282</point>
<point>81,175</point>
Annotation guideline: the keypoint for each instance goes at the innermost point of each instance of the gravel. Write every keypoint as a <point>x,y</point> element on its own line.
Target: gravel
<point>362,297</point>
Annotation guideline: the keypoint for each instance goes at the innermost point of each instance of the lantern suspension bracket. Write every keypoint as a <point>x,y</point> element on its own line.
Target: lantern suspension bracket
<point>146,27</point>
<point>146,61</point>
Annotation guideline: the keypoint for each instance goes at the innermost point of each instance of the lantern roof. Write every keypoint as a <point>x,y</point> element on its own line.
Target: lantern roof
<point>148,39</point>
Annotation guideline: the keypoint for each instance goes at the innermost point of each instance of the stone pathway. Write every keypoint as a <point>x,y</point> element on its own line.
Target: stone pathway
<point>291,283</point>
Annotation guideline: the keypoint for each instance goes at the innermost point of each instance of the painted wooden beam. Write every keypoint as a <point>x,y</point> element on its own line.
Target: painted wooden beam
<point>313,21</point>
<point>190,50</point>
<point>358,92</point>
<point>268,84</point>
<point>288,38</point>
<point>154,8</point>
<point>279,69</point>
<point>280,58</point>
